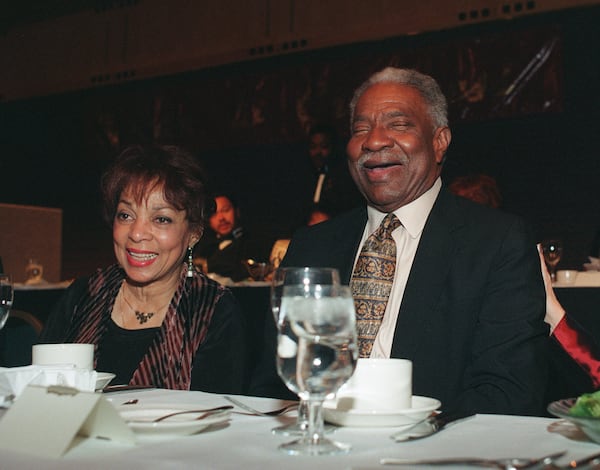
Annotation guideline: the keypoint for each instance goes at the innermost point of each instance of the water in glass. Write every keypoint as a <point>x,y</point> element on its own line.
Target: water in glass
<point>299,276</point>
<point>316,354</point>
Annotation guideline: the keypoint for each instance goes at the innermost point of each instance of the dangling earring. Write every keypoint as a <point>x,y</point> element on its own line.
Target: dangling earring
<point>190,262</point>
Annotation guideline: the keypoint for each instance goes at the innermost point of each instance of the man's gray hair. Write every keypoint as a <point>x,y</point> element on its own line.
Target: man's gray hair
<point>424,84</point>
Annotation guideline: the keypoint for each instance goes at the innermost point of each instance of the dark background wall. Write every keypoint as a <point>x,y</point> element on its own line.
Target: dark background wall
<point>53,149</point>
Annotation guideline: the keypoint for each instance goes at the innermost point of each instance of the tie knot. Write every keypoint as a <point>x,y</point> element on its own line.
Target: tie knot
<point>390,223</point>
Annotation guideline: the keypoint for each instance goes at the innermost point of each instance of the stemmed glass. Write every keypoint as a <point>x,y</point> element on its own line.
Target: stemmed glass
<point>316,354</point>
<point>552,250</point>
<point>6,298</point>
<point>298,276</point>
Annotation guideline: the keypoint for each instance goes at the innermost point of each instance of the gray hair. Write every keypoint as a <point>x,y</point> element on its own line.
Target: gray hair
<point>424,84</point>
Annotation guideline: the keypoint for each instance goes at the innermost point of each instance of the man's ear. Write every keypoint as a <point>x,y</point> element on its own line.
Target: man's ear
<point>441,141</point>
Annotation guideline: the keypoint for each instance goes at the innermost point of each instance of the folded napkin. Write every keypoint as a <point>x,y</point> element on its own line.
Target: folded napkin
<point>13,380</point>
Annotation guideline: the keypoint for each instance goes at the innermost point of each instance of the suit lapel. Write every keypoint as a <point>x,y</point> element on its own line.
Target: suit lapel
<point>427,276</point>
<point>347,242</point>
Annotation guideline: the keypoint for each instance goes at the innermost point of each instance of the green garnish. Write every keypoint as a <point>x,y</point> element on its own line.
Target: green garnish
<point>587,406</point>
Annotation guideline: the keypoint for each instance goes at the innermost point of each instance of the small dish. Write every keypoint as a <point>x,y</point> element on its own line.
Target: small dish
<point>420,409</point>
<point>258,270</point>
<point>103,379</point>
<point>589,426</point>
<point>141,419</point>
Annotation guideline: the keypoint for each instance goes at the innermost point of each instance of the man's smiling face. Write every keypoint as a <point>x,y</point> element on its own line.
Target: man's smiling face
<point>395,153</point>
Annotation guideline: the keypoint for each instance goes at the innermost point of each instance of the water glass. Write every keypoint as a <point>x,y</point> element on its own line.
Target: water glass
<point>289,276</point>
<point>6,298</point>
<point>552,250</point>
<point>316,355</point>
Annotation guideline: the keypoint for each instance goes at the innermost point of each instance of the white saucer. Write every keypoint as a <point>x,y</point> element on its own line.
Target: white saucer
<point>140,419</point>
<point>421,408</point>
<point>103,379</point>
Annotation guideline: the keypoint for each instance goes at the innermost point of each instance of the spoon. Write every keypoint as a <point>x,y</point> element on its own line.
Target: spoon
<point>428,426</point>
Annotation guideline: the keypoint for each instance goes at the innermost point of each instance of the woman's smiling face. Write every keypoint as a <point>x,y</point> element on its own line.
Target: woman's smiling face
<point>150,237</point>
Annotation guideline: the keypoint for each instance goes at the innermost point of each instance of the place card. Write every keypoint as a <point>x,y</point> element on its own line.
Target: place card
<point>46,421</point>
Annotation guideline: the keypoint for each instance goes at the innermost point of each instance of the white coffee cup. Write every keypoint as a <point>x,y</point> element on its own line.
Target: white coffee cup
<point>378,385</point>
<point>566,276</point>
<point>78,354</point>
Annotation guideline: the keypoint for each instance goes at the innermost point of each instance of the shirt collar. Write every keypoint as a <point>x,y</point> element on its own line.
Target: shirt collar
<point>413,215</point>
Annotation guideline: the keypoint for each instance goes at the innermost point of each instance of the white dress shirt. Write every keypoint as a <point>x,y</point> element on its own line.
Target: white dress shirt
<point>413,217</point>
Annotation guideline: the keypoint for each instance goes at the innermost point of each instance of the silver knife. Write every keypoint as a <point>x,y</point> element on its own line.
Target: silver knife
<point>429,426</point>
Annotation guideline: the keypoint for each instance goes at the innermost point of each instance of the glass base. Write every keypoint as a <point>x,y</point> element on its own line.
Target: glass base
<point>310,447</point>
<point>298,429</point>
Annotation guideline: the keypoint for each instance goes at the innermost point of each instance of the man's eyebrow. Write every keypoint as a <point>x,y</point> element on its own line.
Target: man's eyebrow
<point>395,114</point>
<point>387,115</point>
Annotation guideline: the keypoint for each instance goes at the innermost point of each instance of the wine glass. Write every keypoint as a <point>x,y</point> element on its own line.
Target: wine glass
<point>298,276</point>
<point>552,250</point>
<point>34,271</point>
<point>316,354</point>
<point>6,298</point>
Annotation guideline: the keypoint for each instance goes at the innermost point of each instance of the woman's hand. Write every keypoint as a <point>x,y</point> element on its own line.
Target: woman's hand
<point>554,310</point>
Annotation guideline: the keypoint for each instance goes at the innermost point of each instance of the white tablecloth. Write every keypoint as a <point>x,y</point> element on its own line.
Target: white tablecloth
<point>246,442</point>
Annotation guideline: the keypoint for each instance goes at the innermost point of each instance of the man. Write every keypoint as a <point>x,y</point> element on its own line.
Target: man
<point>332,189</point>
<point>225,246</point>
<point>467,300</point>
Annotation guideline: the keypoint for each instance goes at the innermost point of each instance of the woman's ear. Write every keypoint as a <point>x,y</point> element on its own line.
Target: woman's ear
<point>196,236</point>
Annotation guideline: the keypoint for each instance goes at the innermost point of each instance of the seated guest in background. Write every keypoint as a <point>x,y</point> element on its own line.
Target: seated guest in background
<point>332,188</point>
<point>452,285</point>
<point>153,319</point>
<point>569,334</point>
<point>225,246</point>
<point>479,188</point>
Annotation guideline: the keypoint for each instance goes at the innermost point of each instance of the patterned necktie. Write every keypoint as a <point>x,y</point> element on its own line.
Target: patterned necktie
<point>372,281</point>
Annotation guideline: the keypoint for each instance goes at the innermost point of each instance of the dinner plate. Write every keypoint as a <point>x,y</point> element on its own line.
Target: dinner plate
<point>103,379</point>
<point>590,426</point>
<point>140,419</point>
<point>421,408</point>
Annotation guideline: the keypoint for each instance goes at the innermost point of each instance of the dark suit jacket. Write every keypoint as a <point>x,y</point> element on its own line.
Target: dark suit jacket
<point>471,318</point>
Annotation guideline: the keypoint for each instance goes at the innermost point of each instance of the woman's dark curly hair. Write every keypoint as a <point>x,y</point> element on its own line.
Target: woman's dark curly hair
<point>140,169</point>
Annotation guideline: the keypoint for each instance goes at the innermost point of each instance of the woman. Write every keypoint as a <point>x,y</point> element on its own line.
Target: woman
<point>571,336</point>
<point>154,319</point>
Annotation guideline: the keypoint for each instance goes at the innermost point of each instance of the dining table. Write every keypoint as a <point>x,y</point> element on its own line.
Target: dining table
<point>246,441</point>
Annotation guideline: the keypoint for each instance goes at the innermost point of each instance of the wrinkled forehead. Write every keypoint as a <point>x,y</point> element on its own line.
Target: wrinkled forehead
<point>390,100</point>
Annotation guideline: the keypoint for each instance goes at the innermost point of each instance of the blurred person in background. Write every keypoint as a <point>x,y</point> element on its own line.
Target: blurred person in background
<point>226,245</point>
<point>332,189</point>
<point>479,188</point>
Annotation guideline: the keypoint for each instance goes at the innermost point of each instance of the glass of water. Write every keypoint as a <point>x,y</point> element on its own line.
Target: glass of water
<point>302,276</point>
<point>6,298</point>
<point>316,355</point>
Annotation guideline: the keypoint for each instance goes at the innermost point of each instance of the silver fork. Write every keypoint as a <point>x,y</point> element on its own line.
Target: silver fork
<point>205,413</point>
<point>501,464</point>
<point>256,412</point>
